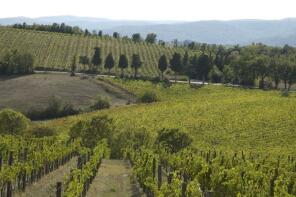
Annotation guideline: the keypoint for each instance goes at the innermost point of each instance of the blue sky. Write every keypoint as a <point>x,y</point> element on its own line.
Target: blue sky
<point>188,10</point>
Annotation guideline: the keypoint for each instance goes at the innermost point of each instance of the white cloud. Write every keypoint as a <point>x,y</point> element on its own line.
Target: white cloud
<point>153,9</point>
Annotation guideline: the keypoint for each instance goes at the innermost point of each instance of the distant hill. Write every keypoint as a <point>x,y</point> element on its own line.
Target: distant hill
<point>272,32</point>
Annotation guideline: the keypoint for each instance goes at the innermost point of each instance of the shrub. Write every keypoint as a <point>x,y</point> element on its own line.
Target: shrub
<point>41,131</point>
<point>12,122</point>
<point>54,109</point>
<point>92,131</point>
<point>285,93</point>
<point>148,97</point>
<point>100,103</point>
<point>173,140</point>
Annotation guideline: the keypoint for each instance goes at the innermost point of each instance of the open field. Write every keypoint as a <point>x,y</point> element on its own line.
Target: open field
<point>24,92</point>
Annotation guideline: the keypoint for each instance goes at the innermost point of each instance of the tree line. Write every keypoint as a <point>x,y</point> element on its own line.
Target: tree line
<point>63,28</point>
<point>268,66</point>
<point>92,65</point>
<point>55,27</point>
<point>257,63</point>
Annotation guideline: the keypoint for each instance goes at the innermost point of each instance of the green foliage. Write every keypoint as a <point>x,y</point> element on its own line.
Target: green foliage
<point>173,140</point>
<point>12,122</point>
<point>123,63</point>
<point>93,130</point>
<point>176,63</point>
<point>15,62</point>
<point>73,65</point>
<point>151,38</point>
<point>136,63</point>
<point>96,59</point>
<point>30,155</point>
<point>100,103</point>
<point>162,65</point>
<point>109,62</point>
<point>84,60</point>
<point>215,75</point>
<point>148,97</point>
<point>40,131</point>
<point>54,109</point>
<point>62,47</point>
<point>78,178</point>
<point>136,37</point>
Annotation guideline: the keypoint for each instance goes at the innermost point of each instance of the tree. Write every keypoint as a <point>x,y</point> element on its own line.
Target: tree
<point>275,70</point>
<point>262,71</point>
<point>285,70</point>
<point>203,66</point>
<point>96,60</point>
<point>86,32</point>
<point>92,131</point>
<point>215,75</point>
<point>176,64</point>
<point>109,62</point>
<point>151,38</point>
<point>173,140</point>
<point>100,34</point>
<point>12,122</point>
<point>84,60</point>
<point>136,64</point>
<point>190,68</point>
<point>185,59</point>
<point>136,37</point>
<point>14,62</point>
<point>162,65</point>
<point>115,35</point>
<point>123,63</point>
<point>73,66</point>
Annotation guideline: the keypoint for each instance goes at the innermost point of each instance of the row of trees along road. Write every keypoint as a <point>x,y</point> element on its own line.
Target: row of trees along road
<point>237,65</point>
<point>96,61</point>
<point>234,65</point>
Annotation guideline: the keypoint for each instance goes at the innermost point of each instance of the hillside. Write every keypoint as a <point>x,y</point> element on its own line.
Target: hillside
<point>56,50</point>
<point>243,32</point>
<point>228,119</point>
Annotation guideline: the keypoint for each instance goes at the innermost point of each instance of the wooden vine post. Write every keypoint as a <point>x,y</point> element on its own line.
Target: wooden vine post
<point>59,189</point>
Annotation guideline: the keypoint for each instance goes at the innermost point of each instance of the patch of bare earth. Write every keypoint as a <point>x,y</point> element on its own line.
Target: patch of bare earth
<point>24,92</point>
<point>114,179</point>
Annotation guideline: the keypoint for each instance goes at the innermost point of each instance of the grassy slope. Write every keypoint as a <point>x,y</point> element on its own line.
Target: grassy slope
<point>56,50</point>
<point>216,116</point>
<point>36,90</point>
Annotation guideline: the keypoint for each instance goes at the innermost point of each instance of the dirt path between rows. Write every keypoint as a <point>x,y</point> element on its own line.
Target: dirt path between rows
<point>46,186</point>
<point>114,179</point>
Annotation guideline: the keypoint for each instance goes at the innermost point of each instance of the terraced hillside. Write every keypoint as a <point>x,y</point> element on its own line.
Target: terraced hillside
<point>56,50</point>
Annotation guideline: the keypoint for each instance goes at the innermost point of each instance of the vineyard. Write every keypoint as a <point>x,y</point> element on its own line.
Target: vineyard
<point>243,140</point>
<point>56,50</point>
<point>230,142</point>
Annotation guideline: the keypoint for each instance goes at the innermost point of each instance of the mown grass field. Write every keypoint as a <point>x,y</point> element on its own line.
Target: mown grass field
<point>218,117</point>
<point>56,50</point>
<point>25,92</point>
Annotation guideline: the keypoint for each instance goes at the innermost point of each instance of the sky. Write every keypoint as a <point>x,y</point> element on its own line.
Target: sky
<point>182,10</point>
